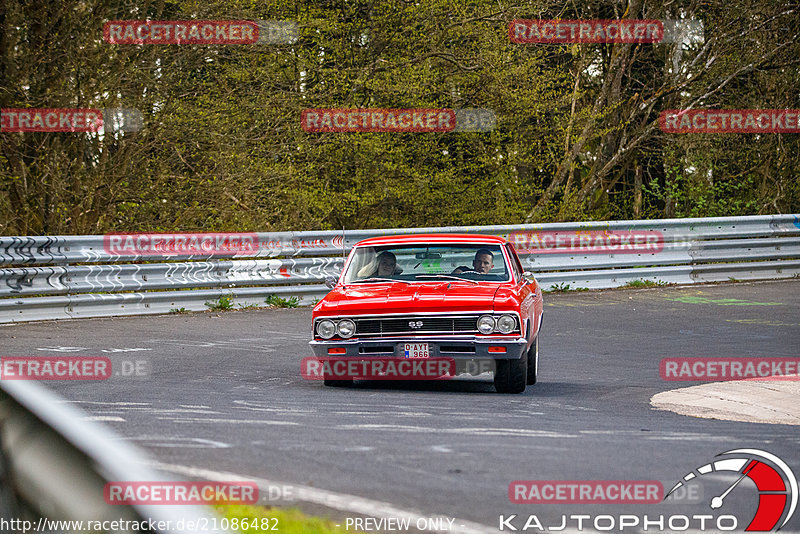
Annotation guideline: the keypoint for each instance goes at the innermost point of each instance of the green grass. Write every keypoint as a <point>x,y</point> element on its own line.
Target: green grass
<point>558,288</point>
<point>224,303</point>
<point>280,302</point>
<point>179,310</point>
<point>644,283</point>
<point>289,521</point>
<point>561,288</point>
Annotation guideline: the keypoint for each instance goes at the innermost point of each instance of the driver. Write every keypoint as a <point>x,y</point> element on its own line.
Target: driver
<point>387,265</point>
<point>482,264</point>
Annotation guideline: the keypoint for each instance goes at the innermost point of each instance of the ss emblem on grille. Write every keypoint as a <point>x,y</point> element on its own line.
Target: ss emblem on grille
<point>415,324</point>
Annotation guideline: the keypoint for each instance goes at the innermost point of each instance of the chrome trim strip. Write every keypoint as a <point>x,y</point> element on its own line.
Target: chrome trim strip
<point>401,317</point>
<point>454,315</point>
<point>449,315</point>
<point>464,313</point>
<point>435,332</point>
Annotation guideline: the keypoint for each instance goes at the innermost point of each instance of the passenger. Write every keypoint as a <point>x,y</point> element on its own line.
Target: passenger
<point>482,264</point>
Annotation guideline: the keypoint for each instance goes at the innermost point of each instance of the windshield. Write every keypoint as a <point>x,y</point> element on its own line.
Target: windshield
<point>411,263</point>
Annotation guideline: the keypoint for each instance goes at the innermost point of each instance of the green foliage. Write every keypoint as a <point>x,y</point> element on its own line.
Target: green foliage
<point>179,310</point>
<point>275,301</point>
<point>222,148</point>
<point>639,284</point>
<point>696,196</point>
<point>223,303</point>
<point>563,288</point>
<point>558,288</point>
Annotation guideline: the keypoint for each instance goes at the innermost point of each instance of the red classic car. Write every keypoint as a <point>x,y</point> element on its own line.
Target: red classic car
<point>456,296</point>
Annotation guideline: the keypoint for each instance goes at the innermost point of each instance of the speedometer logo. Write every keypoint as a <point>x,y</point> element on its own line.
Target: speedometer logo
<point>774,480</point>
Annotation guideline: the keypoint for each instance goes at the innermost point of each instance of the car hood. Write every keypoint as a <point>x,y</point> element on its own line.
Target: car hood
<point>397,297</point>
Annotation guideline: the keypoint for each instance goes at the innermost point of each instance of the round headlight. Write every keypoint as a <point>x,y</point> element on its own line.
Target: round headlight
<point>486,324</point>
<point>506,324</point>
<point>346,328</point>
<point>326,329</point>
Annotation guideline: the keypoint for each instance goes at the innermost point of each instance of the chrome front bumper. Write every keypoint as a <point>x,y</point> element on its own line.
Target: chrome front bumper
<point>466,347</point>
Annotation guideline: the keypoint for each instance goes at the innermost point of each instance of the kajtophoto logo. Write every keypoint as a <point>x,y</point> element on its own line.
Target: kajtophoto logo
<point>776,485</point>
<point>776,492</point>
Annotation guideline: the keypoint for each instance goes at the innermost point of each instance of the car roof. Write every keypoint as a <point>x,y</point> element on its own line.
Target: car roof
<point>426,239</point>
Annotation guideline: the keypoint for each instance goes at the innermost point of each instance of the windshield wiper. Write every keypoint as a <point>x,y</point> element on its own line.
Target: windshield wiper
<point>447,277</point>
<point>376,279</point>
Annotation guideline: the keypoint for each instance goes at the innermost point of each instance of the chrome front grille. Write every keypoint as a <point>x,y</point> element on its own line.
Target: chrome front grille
<point>415,324</point>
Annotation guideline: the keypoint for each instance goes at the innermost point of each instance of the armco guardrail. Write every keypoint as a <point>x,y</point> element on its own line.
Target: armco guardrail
<point>52,277</point>
<point>55,465</point>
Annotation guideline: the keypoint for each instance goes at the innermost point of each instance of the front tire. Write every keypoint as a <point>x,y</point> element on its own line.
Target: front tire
<point>533,361</point>
<point>510,376</point>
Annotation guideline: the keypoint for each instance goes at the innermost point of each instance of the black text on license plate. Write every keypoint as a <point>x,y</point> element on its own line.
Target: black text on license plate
<point>416,350</point>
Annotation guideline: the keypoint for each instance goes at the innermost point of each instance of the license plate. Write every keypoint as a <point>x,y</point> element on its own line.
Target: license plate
<point>416,350</point>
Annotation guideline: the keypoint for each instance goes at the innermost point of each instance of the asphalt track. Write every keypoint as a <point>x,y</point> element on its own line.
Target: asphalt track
<point>224,395</point>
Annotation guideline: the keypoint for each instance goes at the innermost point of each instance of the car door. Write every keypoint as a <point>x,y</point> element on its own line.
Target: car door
<point>529,294</point>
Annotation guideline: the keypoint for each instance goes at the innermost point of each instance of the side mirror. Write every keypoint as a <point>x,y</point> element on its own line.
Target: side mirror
<point>528,275</point>
<point>330,282</point>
